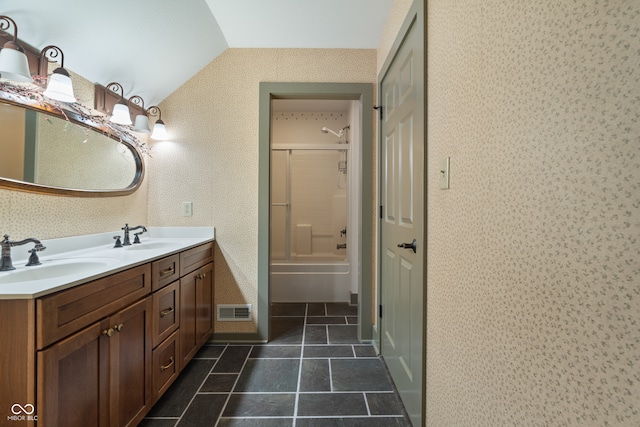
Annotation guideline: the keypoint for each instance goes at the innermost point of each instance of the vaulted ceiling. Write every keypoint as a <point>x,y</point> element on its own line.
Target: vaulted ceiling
<point>152,47</point>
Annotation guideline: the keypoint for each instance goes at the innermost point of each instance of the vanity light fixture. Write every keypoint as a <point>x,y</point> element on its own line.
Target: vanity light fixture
<point>141,123</point>
<point>159,129</point>
<point>13,61</point>
<point>59,87</point>
<point>120,114</point>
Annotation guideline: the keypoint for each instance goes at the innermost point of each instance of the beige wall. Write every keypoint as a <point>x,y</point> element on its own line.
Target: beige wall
<point>46,217</point>
<point>212,158</point>
<point>534,265</point>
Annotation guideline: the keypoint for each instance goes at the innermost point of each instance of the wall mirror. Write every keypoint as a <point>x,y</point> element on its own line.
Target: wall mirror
<point>62,150</point>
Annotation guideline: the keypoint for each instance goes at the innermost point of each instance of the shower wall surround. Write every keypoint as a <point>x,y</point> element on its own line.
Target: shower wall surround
<point>49,217</point>
<point>534,253</point>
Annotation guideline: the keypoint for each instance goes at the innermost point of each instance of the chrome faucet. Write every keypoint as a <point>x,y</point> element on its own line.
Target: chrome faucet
<point>7,265</point>
<point>127,229</point>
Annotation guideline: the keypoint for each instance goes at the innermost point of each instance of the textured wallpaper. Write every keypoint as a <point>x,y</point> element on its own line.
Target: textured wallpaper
<point>534,265</point>
<point>212,157</point>
<point>46,217</point>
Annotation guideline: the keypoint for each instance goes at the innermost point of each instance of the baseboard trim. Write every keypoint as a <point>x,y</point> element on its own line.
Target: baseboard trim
<point>230,337</point>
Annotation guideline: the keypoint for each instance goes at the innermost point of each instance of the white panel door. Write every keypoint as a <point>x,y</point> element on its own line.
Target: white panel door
<point>402,228</point>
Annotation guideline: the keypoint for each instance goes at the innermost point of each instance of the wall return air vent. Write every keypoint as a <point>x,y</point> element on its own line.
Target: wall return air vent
<point>234,312</point>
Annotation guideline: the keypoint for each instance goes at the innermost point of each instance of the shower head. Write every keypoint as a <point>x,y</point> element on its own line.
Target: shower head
<point>327,130</point>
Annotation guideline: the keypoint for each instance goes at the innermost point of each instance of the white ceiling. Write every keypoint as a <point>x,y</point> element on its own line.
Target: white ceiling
<point>152,47</point>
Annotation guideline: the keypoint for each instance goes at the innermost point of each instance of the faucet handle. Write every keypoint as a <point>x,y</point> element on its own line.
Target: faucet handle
<point>118,242</point>
<point>137,237</point>
<point>33,258</point>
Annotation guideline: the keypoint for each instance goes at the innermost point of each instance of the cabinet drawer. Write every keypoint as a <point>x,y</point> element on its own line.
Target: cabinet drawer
<point>68,311</point>
<point>166,312</point>
<point>165,365</point>
<point>165,271</point>
<point>195,258</point>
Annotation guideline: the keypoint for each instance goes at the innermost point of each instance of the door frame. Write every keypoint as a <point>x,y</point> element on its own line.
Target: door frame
<point>416,15</point>
<point>362,92</point>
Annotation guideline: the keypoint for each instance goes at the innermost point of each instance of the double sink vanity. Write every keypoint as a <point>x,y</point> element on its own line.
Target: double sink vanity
<point>95,334</point>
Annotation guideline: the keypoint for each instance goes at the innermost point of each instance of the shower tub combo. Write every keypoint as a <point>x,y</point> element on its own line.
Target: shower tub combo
<point>309,217</point>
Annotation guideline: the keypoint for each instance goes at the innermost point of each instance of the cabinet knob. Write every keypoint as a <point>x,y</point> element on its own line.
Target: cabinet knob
<point>108,332</point>
<point>119,327</point>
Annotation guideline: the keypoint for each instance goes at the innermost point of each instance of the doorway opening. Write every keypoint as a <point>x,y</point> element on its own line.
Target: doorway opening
<point>315,197</point>
<point>314,200</point>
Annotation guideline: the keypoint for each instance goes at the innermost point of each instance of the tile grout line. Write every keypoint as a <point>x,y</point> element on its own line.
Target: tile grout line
<point>200,386</point>
<point>366,403</point>
<point>330,375</point>
<point>235,383</point>
<point>297,398</point>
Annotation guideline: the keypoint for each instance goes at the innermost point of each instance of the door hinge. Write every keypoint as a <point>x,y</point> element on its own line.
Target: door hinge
<point>381,210</point>
<point>380,110</point>
<point>380,311</point>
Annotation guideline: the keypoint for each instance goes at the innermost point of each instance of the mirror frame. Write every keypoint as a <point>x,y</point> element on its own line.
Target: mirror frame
<point>89,121</point>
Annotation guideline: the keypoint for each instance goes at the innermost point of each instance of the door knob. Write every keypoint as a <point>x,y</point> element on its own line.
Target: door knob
<point>411,245</point>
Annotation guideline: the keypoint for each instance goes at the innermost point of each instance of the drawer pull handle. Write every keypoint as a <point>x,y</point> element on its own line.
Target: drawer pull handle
<point>167,366</point>
<point>119,327</point>
<point>166,312</point>
<point>201,276</point>
<point>108,332</point>
<point>166,271</point>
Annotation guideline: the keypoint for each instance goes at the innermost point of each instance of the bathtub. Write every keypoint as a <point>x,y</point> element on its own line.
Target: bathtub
<point>310,280</point>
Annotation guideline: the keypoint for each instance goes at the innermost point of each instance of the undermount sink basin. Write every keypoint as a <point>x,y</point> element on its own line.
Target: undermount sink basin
<point>54,268</point>
<point>147,246</point>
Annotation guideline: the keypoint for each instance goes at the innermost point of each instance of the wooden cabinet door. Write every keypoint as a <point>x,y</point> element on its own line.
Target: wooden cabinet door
<point>130,351</point>
<point>188,339</point>
<point>73,382</point>
<point>196,311</point>
<point>204,305</point>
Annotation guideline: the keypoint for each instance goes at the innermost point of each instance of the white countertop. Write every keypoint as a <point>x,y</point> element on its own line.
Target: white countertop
<point>70,261</point>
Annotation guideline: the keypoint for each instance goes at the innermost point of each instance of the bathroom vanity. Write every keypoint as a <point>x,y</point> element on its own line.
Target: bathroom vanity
<point>101,349</point>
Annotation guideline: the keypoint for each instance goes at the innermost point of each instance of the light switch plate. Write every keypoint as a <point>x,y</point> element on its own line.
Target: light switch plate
<point>187,208</point>
<point>444,173</point>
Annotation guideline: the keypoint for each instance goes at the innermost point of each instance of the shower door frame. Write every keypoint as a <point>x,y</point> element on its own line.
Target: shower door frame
<point>362,92</point>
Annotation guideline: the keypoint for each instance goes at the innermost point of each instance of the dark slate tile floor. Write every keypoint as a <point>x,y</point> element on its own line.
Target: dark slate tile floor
<point>314,373</point>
